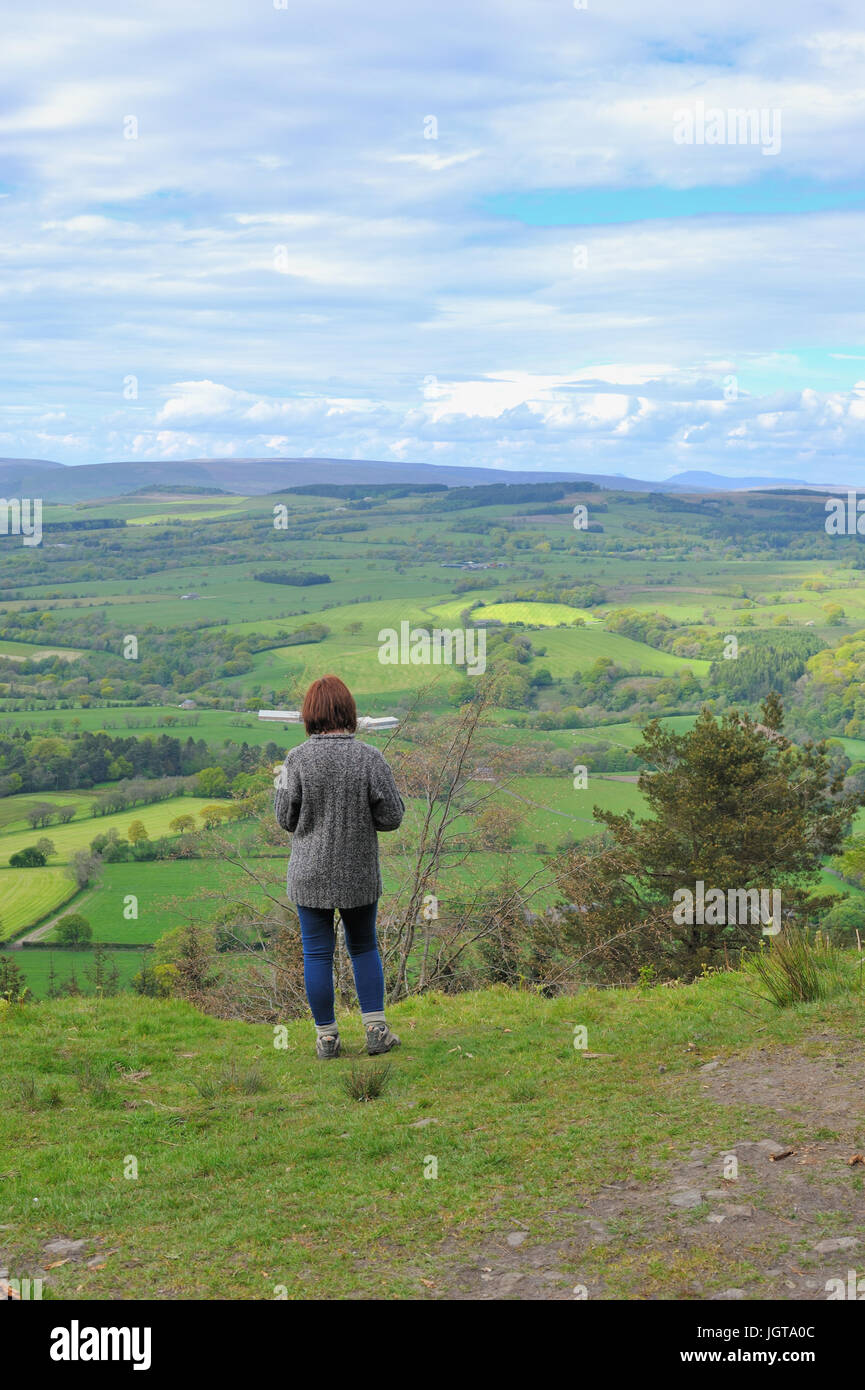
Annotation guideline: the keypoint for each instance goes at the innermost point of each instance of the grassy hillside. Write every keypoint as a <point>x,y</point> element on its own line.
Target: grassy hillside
<point>257,1174</point>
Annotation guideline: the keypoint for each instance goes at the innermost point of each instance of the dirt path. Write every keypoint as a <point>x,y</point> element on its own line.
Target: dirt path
<point>42,931</point>
<point>789,1222</point>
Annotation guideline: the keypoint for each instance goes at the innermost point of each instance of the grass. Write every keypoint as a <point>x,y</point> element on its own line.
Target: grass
<point>13,809</point>
<point>28,895</point>
<point>157,886</point>
<point>36,967</point>
<point>36,651</point>
<point>529,613</point>
<point>793,969</point>
<point>291,1183</point>
<point>214,726</point>
<point>367,1083</point>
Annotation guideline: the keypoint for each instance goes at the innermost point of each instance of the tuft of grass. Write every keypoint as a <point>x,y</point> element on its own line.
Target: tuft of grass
<point>34,1099</point>
<point>95,1078</point>
<point>367,1083</point>
<point>522,1092</point>
<point>796,970</point>
<point>249,1081</point>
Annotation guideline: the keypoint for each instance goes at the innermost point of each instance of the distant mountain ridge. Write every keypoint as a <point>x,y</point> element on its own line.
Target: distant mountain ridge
<point>57,482</point>
<point>255,476</point>
<point>718,482</point>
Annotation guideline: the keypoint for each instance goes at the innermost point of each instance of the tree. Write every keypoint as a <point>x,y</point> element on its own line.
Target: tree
<point>212,781</point>
<point>735,805</point>
<point>104,975</point>
<point>137,832</point>
<point>851,861</point>
<point>147,982</point>
<point>190,951</point>
<point>29,858</point>
<point>843,921</point>
<point>46,846</point>
<point>496,826</point>
<point>85,867</point>
<point>182,825</point>
<point>74,930</point>
<point>39,813</point>
<point>12,985</point>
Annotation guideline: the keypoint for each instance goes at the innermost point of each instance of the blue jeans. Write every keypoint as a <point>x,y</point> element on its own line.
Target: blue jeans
<point>319,941</point>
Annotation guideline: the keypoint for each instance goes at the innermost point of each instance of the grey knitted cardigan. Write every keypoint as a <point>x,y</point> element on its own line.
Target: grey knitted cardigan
<point>334,793</point>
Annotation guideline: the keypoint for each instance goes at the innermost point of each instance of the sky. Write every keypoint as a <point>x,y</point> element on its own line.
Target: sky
<point>528,234</point>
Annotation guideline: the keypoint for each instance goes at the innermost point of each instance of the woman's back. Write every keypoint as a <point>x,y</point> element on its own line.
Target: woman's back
<point>334,793</point>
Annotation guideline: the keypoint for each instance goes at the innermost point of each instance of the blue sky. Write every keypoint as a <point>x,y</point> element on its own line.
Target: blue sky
<point>514,234</point>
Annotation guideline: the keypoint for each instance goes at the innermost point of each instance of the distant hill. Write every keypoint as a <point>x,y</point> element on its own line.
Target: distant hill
<point>15,475</point>
<point>58,483</point>
<point>716,482</point>
<point>30,463</point>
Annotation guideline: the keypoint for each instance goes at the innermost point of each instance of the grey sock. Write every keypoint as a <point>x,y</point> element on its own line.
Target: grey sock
<point>377,1016</point>
<point>327,1030</point>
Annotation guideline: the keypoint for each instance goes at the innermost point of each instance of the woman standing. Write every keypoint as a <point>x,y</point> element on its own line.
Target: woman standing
<point>334,794</point>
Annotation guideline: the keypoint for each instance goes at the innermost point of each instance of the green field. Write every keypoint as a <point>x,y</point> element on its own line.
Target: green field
<point>24,651</point>
<point>78,833</point>
<point>167,893</point>
<point>36,967</point>
<point>170,892</point>
<point>552,809</point>
<point>27,895</point>
<point>214,726</point>
<point>579,649</point>
<point>527,614</point>
<point>13,809</point>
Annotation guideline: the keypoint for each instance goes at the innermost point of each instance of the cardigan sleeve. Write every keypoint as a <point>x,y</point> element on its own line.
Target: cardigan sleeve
<point>289,796</point>
<point>385,803</point>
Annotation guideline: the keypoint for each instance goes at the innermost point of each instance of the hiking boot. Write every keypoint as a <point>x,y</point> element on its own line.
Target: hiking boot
<point>379,1039</point>
<point>327,1047</point>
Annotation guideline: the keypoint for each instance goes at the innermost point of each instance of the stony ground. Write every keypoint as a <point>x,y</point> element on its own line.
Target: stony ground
<point>790,1217</point>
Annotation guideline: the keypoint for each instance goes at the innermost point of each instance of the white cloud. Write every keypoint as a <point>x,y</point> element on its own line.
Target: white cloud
<point>284,246</point>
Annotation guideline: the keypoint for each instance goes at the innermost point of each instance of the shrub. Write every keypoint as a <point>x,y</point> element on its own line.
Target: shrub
<point>29,858</point>
<point>796,970</point>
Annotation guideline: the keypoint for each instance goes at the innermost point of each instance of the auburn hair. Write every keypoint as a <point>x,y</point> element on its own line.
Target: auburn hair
<point>329,706</point>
